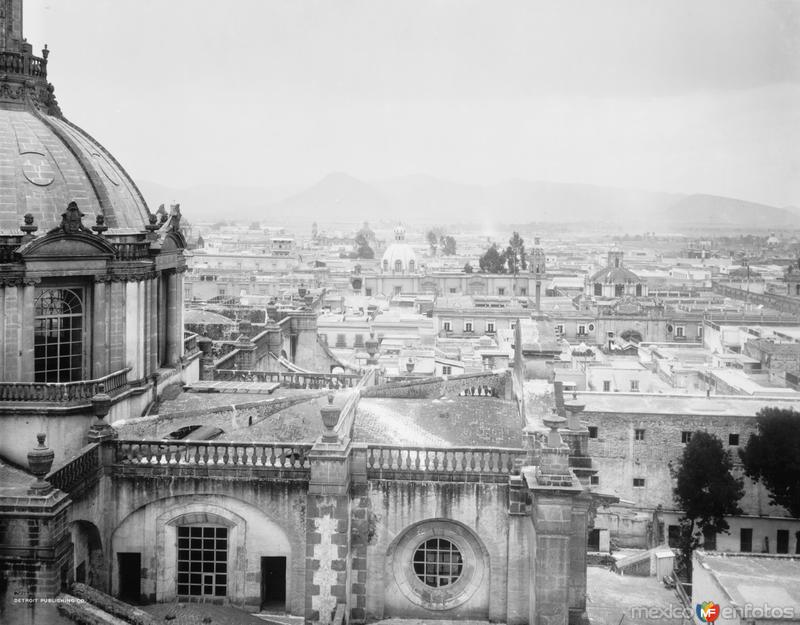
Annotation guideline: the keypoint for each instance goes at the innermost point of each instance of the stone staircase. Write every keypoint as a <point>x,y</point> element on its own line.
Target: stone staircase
<point>280,619</point>
<point>641,564</point>
<point>88,606</point>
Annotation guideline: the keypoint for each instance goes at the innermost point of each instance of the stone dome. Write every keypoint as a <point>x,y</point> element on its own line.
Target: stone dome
<point>399,257</point>
<point>48,162</point>
<point>615,275</point>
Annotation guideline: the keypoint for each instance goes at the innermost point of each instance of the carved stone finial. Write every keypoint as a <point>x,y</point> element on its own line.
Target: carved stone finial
<point>330,417</point>
<point>72,220</point>
<point>100,224</point>
<point>40,461</point>
<point>153,224</point>
<point>29,227</point>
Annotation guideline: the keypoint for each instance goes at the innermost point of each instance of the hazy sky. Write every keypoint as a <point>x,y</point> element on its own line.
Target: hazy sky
<point>674,95</point>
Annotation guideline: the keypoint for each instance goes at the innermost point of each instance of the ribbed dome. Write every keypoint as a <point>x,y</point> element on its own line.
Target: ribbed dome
<point>399,257</point>
<point>48,162</point>
<point>45,161</point>
<point>615,275</point>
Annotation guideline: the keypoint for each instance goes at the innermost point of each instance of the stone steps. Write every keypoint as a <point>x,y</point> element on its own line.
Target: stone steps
<point>280,619</point>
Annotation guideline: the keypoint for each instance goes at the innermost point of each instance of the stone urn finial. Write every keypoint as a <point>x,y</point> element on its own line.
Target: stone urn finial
<point>554,422</point>
<point>101,406</point>
<point>330,417</point>
<point>40,461</point>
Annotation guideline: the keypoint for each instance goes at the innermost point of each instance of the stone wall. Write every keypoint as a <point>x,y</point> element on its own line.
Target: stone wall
<point>227,418</point>
<point>473,516</point>
<point>494,384</point>
<point>265,519</point>
<point>620,458</point>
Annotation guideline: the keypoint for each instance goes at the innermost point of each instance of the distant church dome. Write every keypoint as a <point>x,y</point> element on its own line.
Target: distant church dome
<point>616,280</point>
<point>49,162</point>
<point>399,257</point>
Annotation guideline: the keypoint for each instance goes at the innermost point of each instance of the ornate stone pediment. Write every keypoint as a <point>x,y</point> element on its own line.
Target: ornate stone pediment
<point>69,246</point>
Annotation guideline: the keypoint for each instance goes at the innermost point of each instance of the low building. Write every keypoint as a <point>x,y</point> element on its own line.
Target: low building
<point>745,589</point>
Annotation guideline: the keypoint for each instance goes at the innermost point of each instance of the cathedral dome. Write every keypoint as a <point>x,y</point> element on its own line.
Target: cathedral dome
<point>615,275</point>
<point>399,257</point>
<point>47,162</point>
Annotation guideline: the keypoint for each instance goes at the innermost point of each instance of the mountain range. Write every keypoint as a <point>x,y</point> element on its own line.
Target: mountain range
<point>342,198</point>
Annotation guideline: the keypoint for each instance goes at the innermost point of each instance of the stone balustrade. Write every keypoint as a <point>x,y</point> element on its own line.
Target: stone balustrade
<point>290,380</point>
<point>78,472</point>
<point>62,392</point>
<point>391,461</point>
<point>165,454</point>
<point>189,343</point>
<point>132,250</point>
<point>22,64</point>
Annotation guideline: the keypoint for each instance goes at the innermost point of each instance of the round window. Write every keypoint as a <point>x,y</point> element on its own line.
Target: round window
<point>437,562</point>
<point>439,565</point>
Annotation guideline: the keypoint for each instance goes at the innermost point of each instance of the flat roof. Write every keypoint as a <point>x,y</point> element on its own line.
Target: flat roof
<point>756,579</point>
<point>446,422</point>
<point>662,403</point>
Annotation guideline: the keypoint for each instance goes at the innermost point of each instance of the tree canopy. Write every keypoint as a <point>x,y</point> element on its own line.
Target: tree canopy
<point>448,245</point>
<point>492,260</point>
<point>772,455</point>
<point>705,490</point>
<point>363,250</point>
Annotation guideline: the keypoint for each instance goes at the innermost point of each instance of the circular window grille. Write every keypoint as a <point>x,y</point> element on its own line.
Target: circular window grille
<point>669,328</point>
<point>437,562</point>
<point>591,327</point>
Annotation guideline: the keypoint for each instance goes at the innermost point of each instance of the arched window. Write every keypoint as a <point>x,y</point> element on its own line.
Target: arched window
<point>411,266</point>
<point>619,290</point>
<point>797,289</point>
<point>398,265</point>
<point>58,335</point>
<point>638,289</point>
<point>385,265</point>
<point>598,288</point>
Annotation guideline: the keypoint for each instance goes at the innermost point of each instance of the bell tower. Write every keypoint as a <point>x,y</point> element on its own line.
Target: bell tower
<point>11,26</point>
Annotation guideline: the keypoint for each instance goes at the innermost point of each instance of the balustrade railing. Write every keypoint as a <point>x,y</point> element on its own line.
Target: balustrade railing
<point>133,250</point>
<point>290,380</point>
<point>467,460</point>
<point>209,453</point>
<point>24,64</point>
<point>77,471</point>
<point>63,391</point>
<point>189,343</point>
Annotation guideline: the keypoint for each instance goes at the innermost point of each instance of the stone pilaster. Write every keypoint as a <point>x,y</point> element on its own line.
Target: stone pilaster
<point>556,519</point>
<point>117,325</point>
<point>100,327</point>
<point>26,334</point>
<point>520,535</point>
<point>327,523</point>
<point>152,332</point>
<point>173,352</point>
<point>360,530</point>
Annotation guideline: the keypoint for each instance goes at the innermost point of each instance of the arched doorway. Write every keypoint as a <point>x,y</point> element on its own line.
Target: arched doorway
<point>88,557</point>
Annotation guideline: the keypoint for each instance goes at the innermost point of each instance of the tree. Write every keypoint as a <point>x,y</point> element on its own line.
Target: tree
<point>515,254</point>
<point>363,250</point>
<point>706,492</point>
<point>772,455</point>
<point>448,245</point>
<point>468,268</point>
<point>492,260</point>
<point>433,240</point>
